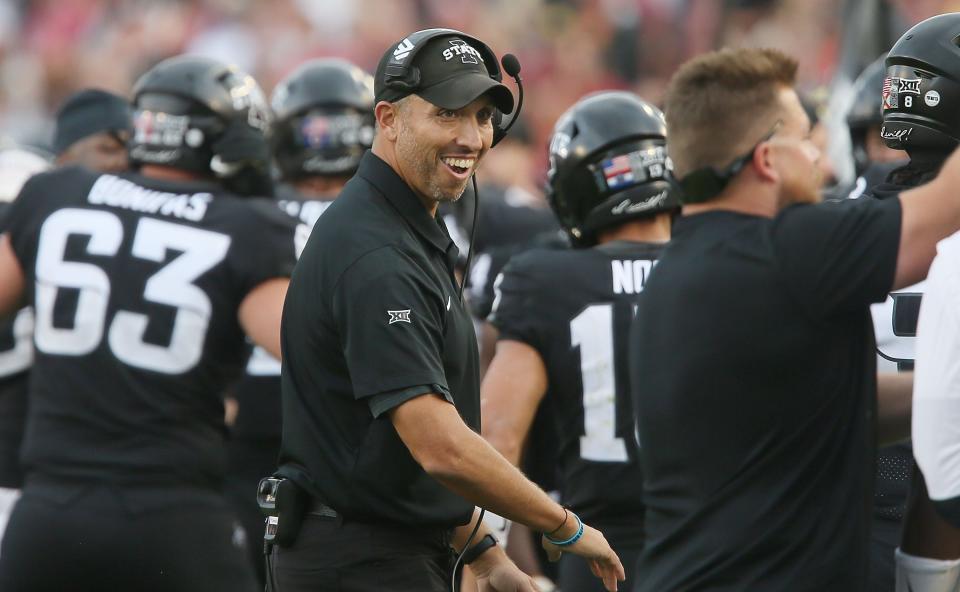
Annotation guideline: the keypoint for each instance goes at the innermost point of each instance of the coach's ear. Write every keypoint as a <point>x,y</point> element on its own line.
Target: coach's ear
<point>388,119</point>
<point>764,163</point>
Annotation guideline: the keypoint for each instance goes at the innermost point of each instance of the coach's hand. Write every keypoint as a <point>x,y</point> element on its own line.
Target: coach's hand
<point>593,547</point>
<point>495,572</point>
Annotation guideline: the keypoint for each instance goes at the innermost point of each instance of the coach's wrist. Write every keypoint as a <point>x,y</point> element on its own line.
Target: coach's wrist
<point>566,529</point>
<point>484,563</point>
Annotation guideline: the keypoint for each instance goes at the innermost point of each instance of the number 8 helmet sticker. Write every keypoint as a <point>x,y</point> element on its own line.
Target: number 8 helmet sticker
<point>894,86</point>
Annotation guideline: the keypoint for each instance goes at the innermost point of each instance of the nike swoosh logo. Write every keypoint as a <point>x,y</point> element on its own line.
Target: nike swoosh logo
<point>448,303</point>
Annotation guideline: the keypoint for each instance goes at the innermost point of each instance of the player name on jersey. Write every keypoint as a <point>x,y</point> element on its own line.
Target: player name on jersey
<point>120,193</point>
<point>630,276</point>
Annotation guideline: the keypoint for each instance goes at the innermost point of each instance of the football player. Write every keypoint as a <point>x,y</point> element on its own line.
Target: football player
<point>563,315</point>
<point>143,286</point>
<point>92,129</point>
<point>16,350</point>
<point>918,93</point>
<point>323,123</point>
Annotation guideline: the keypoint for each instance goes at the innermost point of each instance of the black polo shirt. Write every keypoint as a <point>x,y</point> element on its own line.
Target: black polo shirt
<point>753,372</point>
<point>372,319</point>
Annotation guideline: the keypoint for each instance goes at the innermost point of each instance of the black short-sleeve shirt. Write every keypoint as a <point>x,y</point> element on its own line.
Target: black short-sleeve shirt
<point>373,319</point>
<point>754,378</point>
<point>136,284</point>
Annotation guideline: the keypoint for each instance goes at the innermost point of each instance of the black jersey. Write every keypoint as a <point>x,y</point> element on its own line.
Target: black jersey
<point>575,308</point>
<point>258,392</point>
<point>136,285</point>
<point>16,355</point>
<point>488,264</point>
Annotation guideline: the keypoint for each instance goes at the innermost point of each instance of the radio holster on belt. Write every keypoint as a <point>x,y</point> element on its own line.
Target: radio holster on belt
<point>284,503</point>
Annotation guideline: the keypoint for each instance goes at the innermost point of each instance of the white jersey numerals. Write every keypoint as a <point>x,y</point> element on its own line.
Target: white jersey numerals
<point>200,250</point>
<point>592,331</point>
<point>20,356</point>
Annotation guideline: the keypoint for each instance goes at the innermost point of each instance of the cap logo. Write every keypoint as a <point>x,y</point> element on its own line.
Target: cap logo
<point>402,50</point>
<point>459,47</point>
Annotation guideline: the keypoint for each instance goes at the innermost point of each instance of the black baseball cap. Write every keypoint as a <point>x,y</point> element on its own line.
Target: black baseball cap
<point>452,75</point>
<point>88,112</point>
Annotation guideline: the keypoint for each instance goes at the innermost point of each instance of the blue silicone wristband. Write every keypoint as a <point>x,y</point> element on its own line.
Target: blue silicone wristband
<point>571,540</point>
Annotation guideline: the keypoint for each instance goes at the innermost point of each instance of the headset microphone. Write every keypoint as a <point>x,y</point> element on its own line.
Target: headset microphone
<point>511,67</point>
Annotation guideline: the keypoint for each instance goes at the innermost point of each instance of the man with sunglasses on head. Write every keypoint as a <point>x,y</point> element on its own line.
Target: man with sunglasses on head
<point>753,362</point>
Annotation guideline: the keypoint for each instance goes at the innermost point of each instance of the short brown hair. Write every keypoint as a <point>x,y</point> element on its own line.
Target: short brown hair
<point>719,104</point>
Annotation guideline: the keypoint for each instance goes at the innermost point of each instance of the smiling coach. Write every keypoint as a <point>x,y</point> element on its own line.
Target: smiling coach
<point>381,402</point>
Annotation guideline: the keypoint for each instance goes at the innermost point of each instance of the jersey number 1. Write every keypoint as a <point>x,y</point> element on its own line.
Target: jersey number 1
<point>172,285</point>
<point>592,330</point>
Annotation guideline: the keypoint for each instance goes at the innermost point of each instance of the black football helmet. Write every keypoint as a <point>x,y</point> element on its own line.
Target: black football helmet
<point>323,119</point>
<point>198,114</point>
<point>921,90</point>
<point>866,110</point>
<point>609,164</point>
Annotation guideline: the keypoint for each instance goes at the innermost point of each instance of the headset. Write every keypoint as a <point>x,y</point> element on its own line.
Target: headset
<point>402,76</point>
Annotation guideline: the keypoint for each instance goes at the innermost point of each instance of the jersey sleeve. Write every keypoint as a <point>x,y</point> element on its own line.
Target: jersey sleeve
<point>838,256</point>
<point>266,245</point>
<point>936,392</point>
<point>514,311</point>
<point>391,321</point>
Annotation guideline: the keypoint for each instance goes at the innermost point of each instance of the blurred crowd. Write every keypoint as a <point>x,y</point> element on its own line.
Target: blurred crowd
<point>51,48</point>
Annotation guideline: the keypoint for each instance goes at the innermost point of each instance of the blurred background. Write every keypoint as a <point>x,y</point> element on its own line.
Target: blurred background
<point>50,48</point>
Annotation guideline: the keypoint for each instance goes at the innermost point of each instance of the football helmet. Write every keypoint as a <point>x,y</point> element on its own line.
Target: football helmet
<point>609,164</point>
<point>198,114</point>
<point>921,90</point>
<point>323,119</point>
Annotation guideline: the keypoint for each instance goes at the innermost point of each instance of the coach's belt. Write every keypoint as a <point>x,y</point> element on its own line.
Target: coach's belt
<point>318,508</point>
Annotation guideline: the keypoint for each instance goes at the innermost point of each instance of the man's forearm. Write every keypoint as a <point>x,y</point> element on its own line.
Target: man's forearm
<point>477,472</point>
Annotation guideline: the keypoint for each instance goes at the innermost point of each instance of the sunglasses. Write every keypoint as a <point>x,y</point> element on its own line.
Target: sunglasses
<point>707,182</point>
